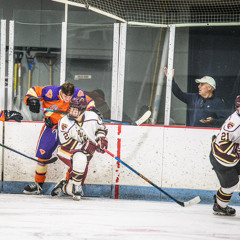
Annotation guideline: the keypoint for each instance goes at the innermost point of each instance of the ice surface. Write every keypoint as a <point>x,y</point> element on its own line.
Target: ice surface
<point>43,217</point>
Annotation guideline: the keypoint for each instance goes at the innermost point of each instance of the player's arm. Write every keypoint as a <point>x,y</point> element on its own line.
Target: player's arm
<point>72,141</point>
<point>91,104</point>
<point>182,96</point>
<point>92,107</point>
<point>101,137</point>
<point>33,98</point>
<point>6,115</point>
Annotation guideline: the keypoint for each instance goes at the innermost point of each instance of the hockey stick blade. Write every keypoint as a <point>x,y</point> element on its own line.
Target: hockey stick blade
<point>191,202</point>
<point>143,119</point>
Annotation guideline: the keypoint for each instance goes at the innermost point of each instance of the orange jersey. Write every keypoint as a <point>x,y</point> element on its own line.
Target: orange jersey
<point>2,116</point>
<point>51,98</point>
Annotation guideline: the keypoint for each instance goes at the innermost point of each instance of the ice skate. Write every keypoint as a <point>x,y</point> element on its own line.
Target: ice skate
<point>58,189</point>
<point>77,192</point>
<point>218,210</point>
<point>34,188</point>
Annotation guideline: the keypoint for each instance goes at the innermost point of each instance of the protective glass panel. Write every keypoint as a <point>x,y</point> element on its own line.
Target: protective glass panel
<point>37,48</point>
<point>200,52</point>
<point>144,56</point>
<point>89,56</point>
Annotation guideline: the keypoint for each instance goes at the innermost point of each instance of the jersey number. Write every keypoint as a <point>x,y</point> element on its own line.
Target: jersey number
<point>66,136</point>
<point>225,136</point>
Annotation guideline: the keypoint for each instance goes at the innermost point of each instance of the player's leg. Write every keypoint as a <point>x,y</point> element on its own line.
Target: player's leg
<point>65,156</point>
<point>47,144</point>
<point>77,175</point>
<point>228,178</point>
<point>221,201</point>
<point>79,161</point>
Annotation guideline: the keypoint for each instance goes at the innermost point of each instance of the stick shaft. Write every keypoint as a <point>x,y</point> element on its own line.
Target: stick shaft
<point>44,162</point>
<point>104,120</point>
<point>144,178</point>
<point>52,110</point>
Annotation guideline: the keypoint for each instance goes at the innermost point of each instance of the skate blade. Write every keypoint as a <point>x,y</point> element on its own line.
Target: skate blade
<point>76,198</point>
<point>223,214</point>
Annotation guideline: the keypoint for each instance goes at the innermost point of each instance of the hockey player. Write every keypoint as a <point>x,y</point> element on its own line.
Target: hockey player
<point>224,157</point>
<point>6,115</point>
<point>57,98</point>
<point>80,133</point>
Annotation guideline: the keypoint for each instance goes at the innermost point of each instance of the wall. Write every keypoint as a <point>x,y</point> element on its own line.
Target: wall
<point>175,159</point>
<point>89,52</point>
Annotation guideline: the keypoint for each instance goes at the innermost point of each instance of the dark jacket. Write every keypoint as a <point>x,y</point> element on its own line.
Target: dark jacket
<point>200,108</point>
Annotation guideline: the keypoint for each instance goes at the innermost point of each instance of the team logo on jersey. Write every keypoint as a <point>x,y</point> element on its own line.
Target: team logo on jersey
<point>80,94</point>
<point>54,107</point>
<point>64,126</point>
<point>49,93</point>
<point>42,151</point>
<point>230,125</point>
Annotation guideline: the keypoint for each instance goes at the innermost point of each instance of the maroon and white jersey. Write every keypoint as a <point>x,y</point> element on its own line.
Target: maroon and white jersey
<point>225,147</point>
<point>72,134</point>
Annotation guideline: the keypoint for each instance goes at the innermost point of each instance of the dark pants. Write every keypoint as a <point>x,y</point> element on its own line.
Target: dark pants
<point>227,176</point>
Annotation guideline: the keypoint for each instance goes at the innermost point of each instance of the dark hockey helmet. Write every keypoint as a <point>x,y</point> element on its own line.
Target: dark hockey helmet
<point>80,103</point>
<point>237,104</point>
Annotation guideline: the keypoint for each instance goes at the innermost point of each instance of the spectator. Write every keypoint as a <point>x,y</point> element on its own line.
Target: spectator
<point>206,109</point>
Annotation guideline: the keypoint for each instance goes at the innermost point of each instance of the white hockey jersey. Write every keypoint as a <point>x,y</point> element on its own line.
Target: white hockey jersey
<point>72,134</point>
<point>226,145</point>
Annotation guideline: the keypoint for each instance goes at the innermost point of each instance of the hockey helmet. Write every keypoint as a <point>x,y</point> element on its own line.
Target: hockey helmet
<point>237,104</point>
<point>80,103</point>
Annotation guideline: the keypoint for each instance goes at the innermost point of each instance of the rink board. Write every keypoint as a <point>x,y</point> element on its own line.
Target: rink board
<point>173,158</point>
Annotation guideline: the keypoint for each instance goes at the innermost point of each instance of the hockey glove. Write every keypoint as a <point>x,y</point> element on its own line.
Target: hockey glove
<point>34,104</point>
<point>102,145</point>
<point>97,112</point>
<point>88,147</point>
<point>48,123</point>
<point>13,115</point>
<point>236,150</point>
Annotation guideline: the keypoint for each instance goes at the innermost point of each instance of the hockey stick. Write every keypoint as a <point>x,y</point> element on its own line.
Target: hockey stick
<point>17,82</point>
<point>49,59</point>
<point>183,204</point>
<point>30,62</point>
<point>140,121</point>
<point>53,110</point>
<point>43,162</point>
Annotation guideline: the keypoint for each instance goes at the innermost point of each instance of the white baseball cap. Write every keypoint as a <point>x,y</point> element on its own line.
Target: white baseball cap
<point>207,79</point>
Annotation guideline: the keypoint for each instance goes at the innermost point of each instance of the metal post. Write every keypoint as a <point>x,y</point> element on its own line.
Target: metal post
<point>2,64</point>
<point>169,77</point>
<point>160,82</point>
<point>121,68</point>
<point>115,71</point>
<point>63,53</point>
<point>10,65</point>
